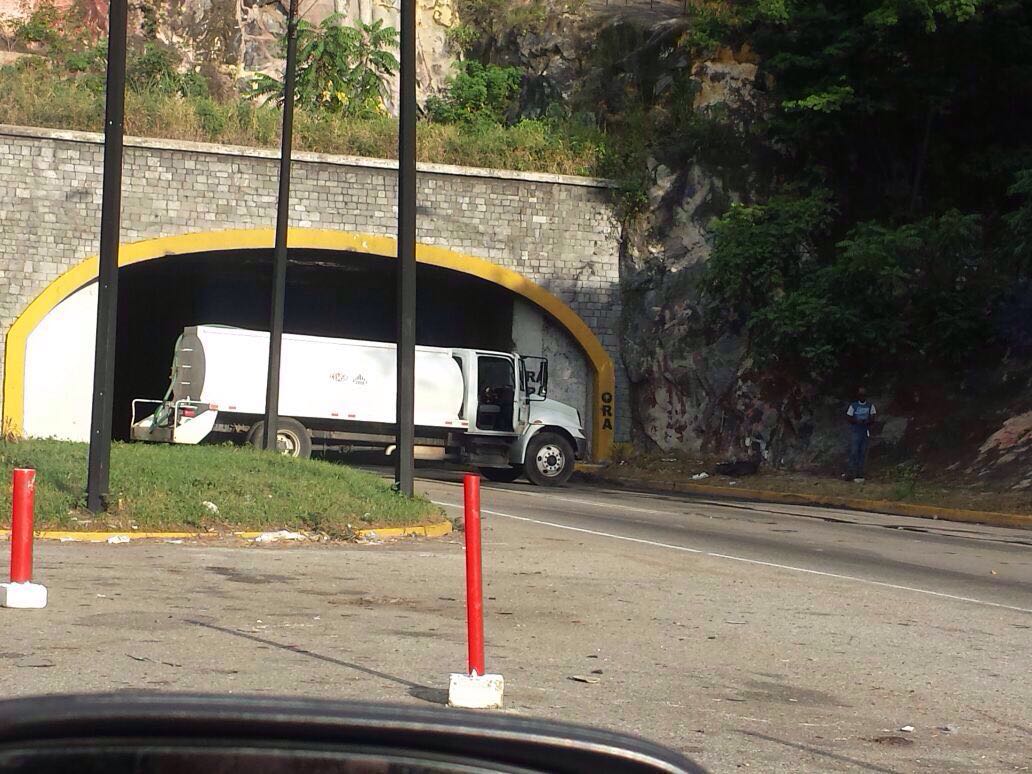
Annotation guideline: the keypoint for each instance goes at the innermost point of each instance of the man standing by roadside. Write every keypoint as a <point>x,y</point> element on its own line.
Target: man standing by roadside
<point>860,415</point>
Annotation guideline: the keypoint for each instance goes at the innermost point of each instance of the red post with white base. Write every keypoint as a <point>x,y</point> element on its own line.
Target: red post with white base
<point>475,689</point>
<point>21,591</point>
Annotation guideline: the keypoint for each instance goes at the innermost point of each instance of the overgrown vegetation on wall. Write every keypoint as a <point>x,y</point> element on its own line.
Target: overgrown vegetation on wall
<point>340,110</point>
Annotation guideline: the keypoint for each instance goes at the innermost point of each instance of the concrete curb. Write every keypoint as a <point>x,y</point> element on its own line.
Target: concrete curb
<point>430,530</point>
<point>439,529</point>
<point>891,507</point>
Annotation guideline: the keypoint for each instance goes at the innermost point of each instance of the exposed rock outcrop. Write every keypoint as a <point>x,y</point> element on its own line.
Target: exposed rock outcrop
<point>239,37</point>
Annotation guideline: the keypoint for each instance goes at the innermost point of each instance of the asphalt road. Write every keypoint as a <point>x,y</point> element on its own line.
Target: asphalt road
<point>985,565</point>
<point>768,638</point>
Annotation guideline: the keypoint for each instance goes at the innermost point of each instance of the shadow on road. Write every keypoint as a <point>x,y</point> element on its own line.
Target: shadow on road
<point>817,751</point>
<point>416,690</point>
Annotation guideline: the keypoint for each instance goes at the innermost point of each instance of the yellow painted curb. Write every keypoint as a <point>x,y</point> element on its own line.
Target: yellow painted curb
<point>430,530</point>
<point>101,537</point>
<point>891,507</point>
<point>427,530</point>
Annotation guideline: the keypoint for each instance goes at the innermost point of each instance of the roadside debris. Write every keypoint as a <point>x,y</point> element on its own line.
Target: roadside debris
<point>585,679</point>
<point>907,729</point>
<point>114,539</point>
<point>949,728</point>
<point>893,741</point>
<point>275,537</point>
<point>700,476</point>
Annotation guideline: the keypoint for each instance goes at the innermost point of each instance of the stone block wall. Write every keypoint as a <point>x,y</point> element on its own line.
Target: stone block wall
<point>558,231</point>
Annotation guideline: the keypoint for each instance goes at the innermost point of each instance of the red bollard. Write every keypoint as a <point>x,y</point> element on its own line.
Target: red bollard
<point>474,576</point>
<point>475,689</point>
<point>21,591</point>
<point>23,500</point>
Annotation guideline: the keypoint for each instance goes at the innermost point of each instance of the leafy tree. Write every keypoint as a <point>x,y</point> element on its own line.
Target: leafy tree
<point>1018,238</point>
<point>914,295</point>
<point>476,93</point>
<point>903,115</point>
<point>340,69</point>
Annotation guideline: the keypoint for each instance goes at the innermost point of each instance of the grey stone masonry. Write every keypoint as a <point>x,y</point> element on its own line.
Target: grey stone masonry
<point>559,231</point>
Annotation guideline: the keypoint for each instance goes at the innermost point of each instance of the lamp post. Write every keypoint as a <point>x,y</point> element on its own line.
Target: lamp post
<point>404,465</point>
<point>99,463</point>
<point>279,256</point>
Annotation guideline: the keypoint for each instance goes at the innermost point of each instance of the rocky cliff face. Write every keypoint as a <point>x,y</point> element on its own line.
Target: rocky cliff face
<point>241,36</point>
<point>246,33</point>
<point>691,386</point>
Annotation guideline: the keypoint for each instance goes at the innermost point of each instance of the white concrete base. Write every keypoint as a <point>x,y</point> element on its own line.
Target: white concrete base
<point>476,691</point>
<point>23,595</point>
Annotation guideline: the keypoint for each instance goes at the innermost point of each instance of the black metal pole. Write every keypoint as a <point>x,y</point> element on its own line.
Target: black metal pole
<point>404,465</point>
<point>279,257</point>
<point>98,467</point>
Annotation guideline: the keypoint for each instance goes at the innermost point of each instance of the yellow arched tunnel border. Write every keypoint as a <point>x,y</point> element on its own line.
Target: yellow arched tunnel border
<point>319,239</point>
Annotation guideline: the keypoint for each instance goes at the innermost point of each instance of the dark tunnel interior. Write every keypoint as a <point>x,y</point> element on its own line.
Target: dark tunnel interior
<point>329,293</point>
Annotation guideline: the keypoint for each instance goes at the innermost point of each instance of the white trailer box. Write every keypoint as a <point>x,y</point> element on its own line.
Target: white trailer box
<point>489,409</point>
<point>319,377</point>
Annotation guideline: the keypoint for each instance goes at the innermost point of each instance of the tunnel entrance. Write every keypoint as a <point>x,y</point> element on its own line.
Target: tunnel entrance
<point>329,293</point>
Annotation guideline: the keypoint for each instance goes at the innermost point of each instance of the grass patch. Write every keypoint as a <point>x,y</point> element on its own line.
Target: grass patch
<point>163,488</point>
<point>34,94</point>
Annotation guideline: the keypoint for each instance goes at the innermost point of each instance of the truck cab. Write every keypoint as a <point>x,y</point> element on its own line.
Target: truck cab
<point>516,429</point>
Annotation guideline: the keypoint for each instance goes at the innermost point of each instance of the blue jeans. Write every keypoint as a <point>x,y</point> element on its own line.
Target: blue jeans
<point>857,452</point>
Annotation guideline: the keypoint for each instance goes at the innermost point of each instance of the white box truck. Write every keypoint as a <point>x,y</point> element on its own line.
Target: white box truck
<point>488,409</point>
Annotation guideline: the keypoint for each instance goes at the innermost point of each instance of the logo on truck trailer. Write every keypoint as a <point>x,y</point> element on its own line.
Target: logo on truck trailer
<point>342,378</point>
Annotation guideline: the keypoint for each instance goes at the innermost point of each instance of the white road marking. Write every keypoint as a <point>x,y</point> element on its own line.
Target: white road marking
<point>759,562</point>
<point>604,505</point>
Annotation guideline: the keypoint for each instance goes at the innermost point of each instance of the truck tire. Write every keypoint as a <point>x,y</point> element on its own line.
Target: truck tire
<point>502,475</point>
<point>292,437</point>
<point>550,460</point>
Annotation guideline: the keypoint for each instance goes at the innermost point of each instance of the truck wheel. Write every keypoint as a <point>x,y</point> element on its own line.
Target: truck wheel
<point>502,475</point>
<point>549,460</point>
<point>292,439</point>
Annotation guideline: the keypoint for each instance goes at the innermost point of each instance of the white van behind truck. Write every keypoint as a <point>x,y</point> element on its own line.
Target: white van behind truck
<point>488,409</point>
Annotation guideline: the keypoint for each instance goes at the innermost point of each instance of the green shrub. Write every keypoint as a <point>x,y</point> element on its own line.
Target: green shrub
<point>340,69</point>
<point>212,116</point>
<point>477,93</point>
